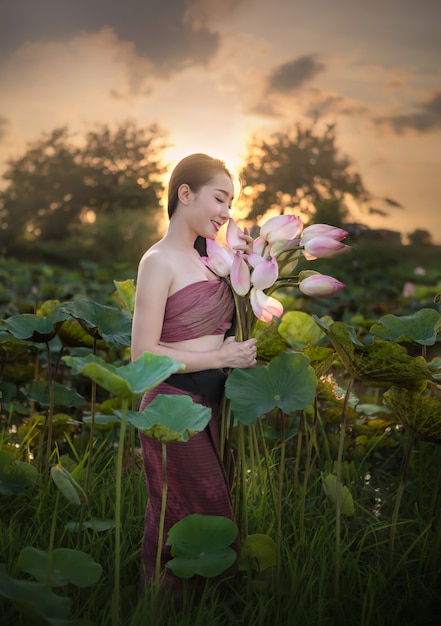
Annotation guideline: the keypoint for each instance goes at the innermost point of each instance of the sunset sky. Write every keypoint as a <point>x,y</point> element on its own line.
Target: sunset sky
<point>212,72</point>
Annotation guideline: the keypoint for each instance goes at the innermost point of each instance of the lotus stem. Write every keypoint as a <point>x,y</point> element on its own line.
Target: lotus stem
<point>163,508</point>
<point>398,498</point>
<point>340,459</point>
<point>119,462</point>
<point>280,489</point>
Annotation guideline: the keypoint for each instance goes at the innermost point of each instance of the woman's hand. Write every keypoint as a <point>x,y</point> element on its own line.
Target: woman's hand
<point>240,354</point>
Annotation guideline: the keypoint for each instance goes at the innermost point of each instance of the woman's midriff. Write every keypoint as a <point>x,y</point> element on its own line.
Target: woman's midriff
<point>199,344</point>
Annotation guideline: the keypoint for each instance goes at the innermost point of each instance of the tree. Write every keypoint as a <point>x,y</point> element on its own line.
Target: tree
<point>63,190</point>
<point>303,167</point>
<point>420,237</point>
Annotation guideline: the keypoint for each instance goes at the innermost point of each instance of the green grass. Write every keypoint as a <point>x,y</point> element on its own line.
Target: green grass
<point>302,590</point>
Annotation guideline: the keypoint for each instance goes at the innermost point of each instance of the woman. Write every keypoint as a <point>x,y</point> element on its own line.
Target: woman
<point>185,311</point>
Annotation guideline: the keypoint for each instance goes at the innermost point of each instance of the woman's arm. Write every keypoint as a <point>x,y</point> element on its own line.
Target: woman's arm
<point>155,275</point>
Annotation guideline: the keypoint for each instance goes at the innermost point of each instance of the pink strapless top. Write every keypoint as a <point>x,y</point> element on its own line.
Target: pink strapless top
<point>202,308</point>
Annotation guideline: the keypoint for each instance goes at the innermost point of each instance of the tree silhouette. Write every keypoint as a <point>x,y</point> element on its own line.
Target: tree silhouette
<point>420,237</point>
<point>302,167</point>
<point>61,189</point>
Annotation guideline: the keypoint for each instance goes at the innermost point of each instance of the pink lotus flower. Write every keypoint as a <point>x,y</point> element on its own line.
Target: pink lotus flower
<point>264,307</point>
<point>316,284</point>
<point>265,273</point>
<point>220,259</point>
<point>324,247</point>
<point>233,235</point>
<point>281,227</point>
<point>323,230</point>
<point>240,275</point>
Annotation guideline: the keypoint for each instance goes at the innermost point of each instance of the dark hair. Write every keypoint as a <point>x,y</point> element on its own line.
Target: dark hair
<point>196,171</point>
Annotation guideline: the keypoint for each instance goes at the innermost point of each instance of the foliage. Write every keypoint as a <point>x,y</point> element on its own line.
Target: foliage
<point>87,195</point>
<point>300,167</point>
<point>338,462</point>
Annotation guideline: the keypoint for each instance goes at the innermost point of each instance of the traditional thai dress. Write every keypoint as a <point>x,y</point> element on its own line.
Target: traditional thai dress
<point>197,480</point>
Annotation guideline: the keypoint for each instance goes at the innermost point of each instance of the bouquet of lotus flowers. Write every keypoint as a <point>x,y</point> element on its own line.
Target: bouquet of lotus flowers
<point>276,252</point>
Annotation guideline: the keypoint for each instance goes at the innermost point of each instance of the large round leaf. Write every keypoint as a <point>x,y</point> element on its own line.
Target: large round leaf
<point>200,545</point>
<point>39,391</point>
<point>259,553</point>
<point>288,382</point>
<point>66,566</point>
<point>170,418</point>
<point>128,380</point>
<point>382,361</point>
<point>421,327</point>
<point>419,414</point>
<point>34,327</point>
<point>15,476</point>
<point>102,322</point>
<point>35,599</point>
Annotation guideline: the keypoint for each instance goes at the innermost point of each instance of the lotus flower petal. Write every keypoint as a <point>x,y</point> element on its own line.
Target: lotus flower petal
<point>240,275</point>
<point>265,273</point>
<point>220,259</point>
<point>265,307</point>
<point>234,233</point>
<point>259,245</point>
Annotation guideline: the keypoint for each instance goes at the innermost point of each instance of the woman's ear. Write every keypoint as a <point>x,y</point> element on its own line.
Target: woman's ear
<point>184,193</point>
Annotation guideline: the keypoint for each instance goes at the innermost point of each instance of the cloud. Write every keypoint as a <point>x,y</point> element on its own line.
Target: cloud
<point>171,34</point>
<point>425,119</point>
<point>323,104</point>
<point>291,76</point>
<point>4,126</point>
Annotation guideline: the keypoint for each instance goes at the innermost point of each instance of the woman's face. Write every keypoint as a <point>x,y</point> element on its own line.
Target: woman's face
<point>210,206</point>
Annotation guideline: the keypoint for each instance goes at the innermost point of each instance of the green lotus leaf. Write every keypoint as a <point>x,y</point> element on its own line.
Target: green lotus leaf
<point>62,425</point>
<point>13,349</point>
<point>419,414</point>
<point>330,489</point>
<point>35,599</point>
<point>299,329</point>
<point>269,341</point>
<point>288,382</point>
<point>421,327</point>
<point>39,391</point>
<point>15,476</point>
<point>260,551</point>
<point>34,327</point>
<point>127,380</point>
<point>102,322</point>
<point>72,335</point>
<point>320,357</point>
<point>102,421</point>
<point>67,566</point>
<point>382,362</point>
<point>200,545</point>
<point>170,418</point>
<point>125,295</point>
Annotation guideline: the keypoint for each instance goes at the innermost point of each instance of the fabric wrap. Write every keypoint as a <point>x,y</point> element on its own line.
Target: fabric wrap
<point>196,478</point>
<point>202,308</point>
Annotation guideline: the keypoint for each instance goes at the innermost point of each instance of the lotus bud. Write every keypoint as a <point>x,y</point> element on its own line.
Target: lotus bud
<point>324,247</point>
<point>325,230</point>
<point>316,284</point>
<point>265,307</point>
<point>281,227</point>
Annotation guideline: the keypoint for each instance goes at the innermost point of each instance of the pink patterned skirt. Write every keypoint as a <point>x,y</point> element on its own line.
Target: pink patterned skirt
<point>197,483</point>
